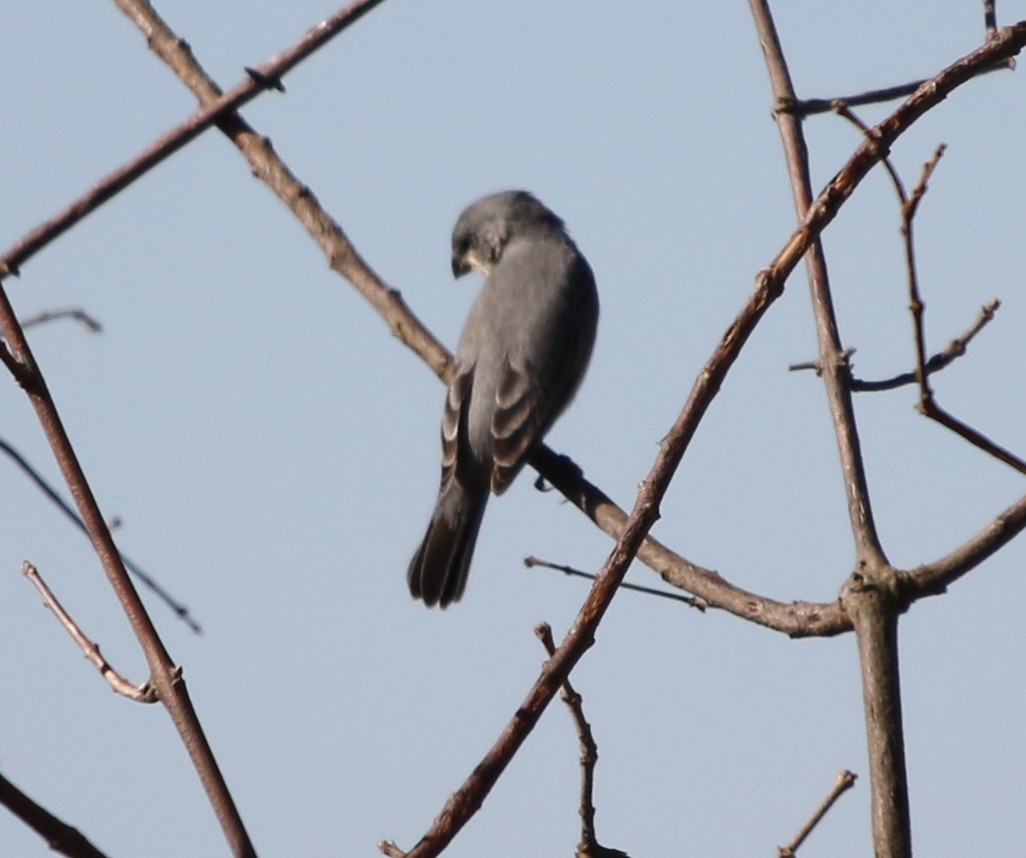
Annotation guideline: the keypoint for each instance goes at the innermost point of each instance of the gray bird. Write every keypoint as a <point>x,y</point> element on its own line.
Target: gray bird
<point>523,353</point>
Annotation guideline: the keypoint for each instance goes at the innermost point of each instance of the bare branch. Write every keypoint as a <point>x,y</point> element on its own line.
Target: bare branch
<point>700,604</point>
<point>833,364</point>
<point>869,602</point>
<point>932,579</point>
<point>927,402</point>
<point>845,781</point>
<point>214,112</point>
<point>164,674</point>
<point>144,693</point>
<point>954,350</point>
<point>143,577</point>
<point>589,847</point>
<point>802,107</point>
<point>78,314</point>
<point>59,836</point>
<point>808,106</point>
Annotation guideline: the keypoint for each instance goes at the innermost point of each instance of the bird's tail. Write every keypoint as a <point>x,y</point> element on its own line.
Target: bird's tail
<point>438,571</point>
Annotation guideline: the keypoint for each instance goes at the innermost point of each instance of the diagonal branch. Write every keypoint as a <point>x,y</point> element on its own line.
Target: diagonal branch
<point>165,676</point>
<point>147,580</point>
<point>59,836</point>
<point>216,107</point>
<point>844,782</point>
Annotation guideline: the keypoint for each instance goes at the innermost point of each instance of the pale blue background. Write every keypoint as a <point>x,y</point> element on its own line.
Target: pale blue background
<point>273,451</point>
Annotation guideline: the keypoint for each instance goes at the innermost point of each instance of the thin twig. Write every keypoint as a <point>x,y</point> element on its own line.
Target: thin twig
<point>834,369</point>
<point>802,107</point>
<point>845,781</point>
<point>927,404</point>
<point>59,836</point>
<point>141,575</point>
<point>944,358</point>
<point>589,847</point>
<point>532,561</point>
<point>144,693</point>
<point>79,315</point>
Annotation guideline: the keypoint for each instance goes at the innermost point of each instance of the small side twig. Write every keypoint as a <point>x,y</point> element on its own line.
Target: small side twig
<point>589,847</point>
<point>809,106</point>
<point>942,359</point>
<point>144,693</point>
<point>845,781</point>
<point>531,561</point>
<point>79,315</point>
<point>59,836</point>
<point>927,404</point>
<point>141,575</point>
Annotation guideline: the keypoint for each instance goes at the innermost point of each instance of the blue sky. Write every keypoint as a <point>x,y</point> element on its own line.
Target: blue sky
<point>272,451</point>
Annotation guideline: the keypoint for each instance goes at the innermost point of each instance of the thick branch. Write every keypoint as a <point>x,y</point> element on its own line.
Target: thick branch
<point>874,614</point>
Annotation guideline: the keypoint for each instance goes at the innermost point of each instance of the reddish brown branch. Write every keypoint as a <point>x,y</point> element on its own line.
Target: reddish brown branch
<point>214,111</point>
<point>589,847</point>
<point>844,782</point>
<point>165,676</point>
<point>59,836</point>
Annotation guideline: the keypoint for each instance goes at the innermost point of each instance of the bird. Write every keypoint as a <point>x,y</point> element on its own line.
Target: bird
<point>521,357</point>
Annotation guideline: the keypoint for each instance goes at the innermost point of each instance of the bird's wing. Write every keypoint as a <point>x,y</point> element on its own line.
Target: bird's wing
<point>454,421</point>
<point>522,414</point>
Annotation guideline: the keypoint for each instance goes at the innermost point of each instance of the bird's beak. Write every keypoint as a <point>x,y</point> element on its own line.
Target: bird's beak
<point>460,265</point>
